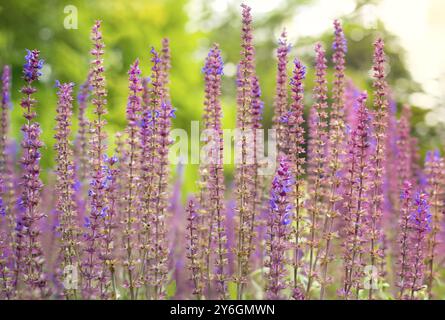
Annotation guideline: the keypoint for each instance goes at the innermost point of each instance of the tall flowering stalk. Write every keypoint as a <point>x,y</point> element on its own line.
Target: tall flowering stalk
<point>7,191</point>
<point>281,95</point>
<point>243,178</point>
<point>158,268</point>
<point>206,216</point>
<point>97,196</point>
<point>193,250</point>
<point>82,133</point>
<point>356,188</point>
<point>108,255</point>
<point>278,235</point>
<point>334,153</point>
<point>149,137</point>
<point>66,206</point>
<point>214,70</point>
<point>130,197</point>
<point>434,171</point>
<point>404,250</point>
<point>258,180</point>
<point>295,123</point>
<point>32,256</point>
<point>379,124</point>
<point>420,221</point>
<point>317,169</point>
<point>415,224</point>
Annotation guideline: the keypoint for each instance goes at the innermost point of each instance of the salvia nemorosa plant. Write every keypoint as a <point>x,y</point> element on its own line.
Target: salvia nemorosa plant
<point>281,95</point>
<point>317,168</point>
<point>97,207</point>
<point>243,175</point>
<point>295,121</point>
<point>348,211</point>
<point>65,204</point>
<point>213,70</point>
<point>376,169</point>
<point>434,171</point>
<point>357,201</point>
<point>29,271</point>
<point>278,229</point>
<point>130,187</point>
<point>334,155</point>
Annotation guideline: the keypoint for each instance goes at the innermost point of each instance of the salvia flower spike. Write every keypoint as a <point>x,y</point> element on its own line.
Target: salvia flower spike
<point>380,120</point>
<point>335,154</point>
<point>279,221</point>
<point>66,206</point>
<point>404,264</point>
<point>434,171</point>
<point>97,197</point>
<point>243,176</point>
<point>31,260</point>
<point>281,95</point>
<point>149,164</point>
<point>357,185</point>
<point>130,197</point>
<point>316,171</point>
<point>296,158</point>
<point>420,221</point>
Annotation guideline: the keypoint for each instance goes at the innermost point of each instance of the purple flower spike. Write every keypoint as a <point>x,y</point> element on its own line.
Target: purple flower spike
<point>334,154</point>
<point>281,95</point>
<point>31,260</point>
<point>215,183</point>
<point>318,127</point>
<point>134,108</point>
<point>154,144</point>
<point>340,43</point>
<point>297,160</point>
<point>246,183</point>
<point>215,67</point>
<point>356,185</point>
<point>65,205</point>
<point>378,150</point>
<point>2,208</point>
<point>92,264</point>
<point>434,187</point>
<point>6,87</point>
<point>279,229</point>
<point>32,66</point>
<point>420,224</point>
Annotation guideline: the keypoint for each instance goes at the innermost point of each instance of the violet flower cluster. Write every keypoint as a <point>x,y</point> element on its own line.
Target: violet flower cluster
<point>348,212</point>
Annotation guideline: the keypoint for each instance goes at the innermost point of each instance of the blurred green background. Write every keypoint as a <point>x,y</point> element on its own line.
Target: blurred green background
<point>130,28</point>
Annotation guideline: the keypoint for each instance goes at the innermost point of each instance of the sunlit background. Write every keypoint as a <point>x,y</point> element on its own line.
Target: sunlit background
<point>413,30</point>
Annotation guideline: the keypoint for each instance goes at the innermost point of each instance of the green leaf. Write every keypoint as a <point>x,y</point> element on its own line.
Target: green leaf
<point>171,289</point>
<point>231,287</point>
